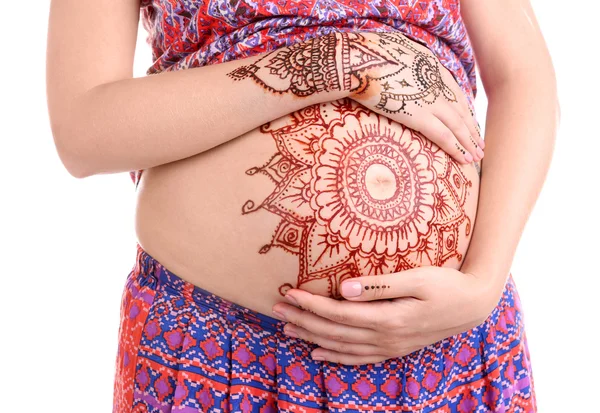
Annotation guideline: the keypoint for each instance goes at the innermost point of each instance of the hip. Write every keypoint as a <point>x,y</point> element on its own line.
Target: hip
<point>182,348</point>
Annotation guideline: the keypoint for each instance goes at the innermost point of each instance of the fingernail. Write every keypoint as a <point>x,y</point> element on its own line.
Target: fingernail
<point>482,143</point>
<point>468,157</point>
<point>479,153</point>
<point>351,289</point>
<point>291,299</point>
<point>318,358</point>
<point>289,331</point>
<point>278,314</point>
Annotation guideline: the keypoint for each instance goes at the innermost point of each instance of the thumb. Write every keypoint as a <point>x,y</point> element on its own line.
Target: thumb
<point>408,283</point>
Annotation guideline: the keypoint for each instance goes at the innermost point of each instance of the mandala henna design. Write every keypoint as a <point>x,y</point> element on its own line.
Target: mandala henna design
<point>359,194</point>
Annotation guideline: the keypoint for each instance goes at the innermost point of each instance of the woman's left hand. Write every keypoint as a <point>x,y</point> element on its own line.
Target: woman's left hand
<point>396,315</point>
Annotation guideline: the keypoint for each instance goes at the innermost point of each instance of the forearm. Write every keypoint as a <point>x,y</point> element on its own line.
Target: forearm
<point>143,122</point>
<point>521,124</point>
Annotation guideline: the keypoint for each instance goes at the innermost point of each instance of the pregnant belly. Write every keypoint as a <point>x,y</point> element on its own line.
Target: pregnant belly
<point>327,193</point>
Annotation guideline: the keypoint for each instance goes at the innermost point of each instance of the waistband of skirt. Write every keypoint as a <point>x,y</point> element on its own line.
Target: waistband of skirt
<point>150,272</point>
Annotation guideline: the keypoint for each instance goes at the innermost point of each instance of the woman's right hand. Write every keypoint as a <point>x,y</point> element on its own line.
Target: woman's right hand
<point>403,80</point>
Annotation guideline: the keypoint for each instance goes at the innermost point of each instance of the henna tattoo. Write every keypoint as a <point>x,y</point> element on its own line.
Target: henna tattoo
<point>307,67</point>
<point>390,66</point>
<point>359,194</point>
<point>424,70</point>
<point>477,127</point>
<point>313,66</point>
<point>403,83</point>
<point>377,286</point>
<point>473,140</point>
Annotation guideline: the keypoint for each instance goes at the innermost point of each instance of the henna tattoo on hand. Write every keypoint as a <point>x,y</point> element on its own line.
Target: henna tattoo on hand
<point>325,63</point>
<point>422,83</point>
<point>377,286</point>
<point>302,69</point>
<point>386,63</point>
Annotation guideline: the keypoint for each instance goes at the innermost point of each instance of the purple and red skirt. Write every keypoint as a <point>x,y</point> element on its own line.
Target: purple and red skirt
<point>183,349</point>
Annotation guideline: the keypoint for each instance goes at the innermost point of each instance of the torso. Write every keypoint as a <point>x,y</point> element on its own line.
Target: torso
<point>259,214</point>
<point>318,196</point>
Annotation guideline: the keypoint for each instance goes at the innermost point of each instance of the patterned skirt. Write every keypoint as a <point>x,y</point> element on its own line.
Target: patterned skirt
<point>183,349</point>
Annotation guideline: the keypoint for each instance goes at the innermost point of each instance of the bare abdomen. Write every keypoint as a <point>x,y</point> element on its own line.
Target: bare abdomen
<point>327,193</point>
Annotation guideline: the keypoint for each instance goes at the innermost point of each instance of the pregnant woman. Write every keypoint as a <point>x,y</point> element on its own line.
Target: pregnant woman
<point>309,180</point>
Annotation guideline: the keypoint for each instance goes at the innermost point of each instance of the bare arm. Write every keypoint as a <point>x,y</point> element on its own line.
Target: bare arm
<point>105,121</point>
<point>522,119</point>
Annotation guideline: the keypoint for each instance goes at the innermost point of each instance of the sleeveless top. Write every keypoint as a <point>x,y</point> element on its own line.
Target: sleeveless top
<point>191,33</point>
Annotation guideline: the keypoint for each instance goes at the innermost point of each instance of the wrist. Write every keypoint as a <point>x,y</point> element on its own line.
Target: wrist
<point>489,287</point>
<point>494,272</point>
<point>313,71</point>
<point>351,67</point>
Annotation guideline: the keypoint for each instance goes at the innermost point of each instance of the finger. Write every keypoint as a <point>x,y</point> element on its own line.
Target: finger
<point>348,359</point>
<point>454,121</point>
<point>468,117</point>
<point>408,283</point>
<point>470,121</point>
<point>475,135</point>
<point>366,315</point>
<point>473,124</point>
<point>320,326</point>
<point>435,130</point>
<point>481,140</point>
<point>363,349</point>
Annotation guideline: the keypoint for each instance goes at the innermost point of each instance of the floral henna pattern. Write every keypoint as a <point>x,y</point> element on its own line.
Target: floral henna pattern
<point>353,62</point>
<point>359,194</point>
<point>305,68</point>
<point>421,82</point>
<point>313,66</point>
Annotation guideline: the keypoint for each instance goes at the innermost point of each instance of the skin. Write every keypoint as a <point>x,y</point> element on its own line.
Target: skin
<point>196,179</point>
<point>99,114</point>
<point>387,73</point>
<point>522,119</point>
<point>100,118</point>
<point>358,193</point>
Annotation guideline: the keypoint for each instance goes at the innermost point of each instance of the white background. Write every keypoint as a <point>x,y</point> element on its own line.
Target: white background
<point>68,244</point>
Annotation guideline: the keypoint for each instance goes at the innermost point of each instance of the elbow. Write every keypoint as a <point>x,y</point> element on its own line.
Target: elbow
<point>68,125</point>
<point>536,72</point>
<point>71,151</point>
<point>538,87</point>
<point>558,112</point>
<point>544,81</point>
<point>551,87</point>
<point>71,163</point>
